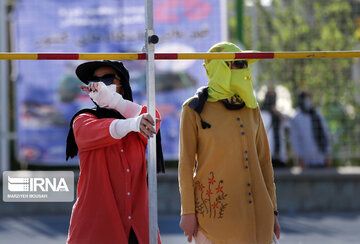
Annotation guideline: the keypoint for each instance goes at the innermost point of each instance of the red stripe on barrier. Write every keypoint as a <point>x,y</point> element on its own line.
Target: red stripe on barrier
<point>253,55</point>
<point>58,56</point>
<point>166,56</point>
<point>141,56</point>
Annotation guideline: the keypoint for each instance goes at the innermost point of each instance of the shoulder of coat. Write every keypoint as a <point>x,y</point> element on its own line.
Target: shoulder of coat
<point>186,103</point>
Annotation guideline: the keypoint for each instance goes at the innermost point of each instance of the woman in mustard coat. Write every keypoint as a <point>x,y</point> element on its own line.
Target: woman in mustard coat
<point>226,177</point>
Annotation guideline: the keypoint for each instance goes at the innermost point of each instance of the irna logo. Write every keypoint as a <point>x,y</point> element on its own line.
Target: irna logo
<point>32,184</point>
<point>38,186</point>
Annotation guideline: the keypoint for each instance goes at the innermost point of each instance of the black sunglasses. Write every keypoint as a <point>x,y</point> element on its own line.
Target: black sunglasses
<point>240,64</point>
<point>106,79</point>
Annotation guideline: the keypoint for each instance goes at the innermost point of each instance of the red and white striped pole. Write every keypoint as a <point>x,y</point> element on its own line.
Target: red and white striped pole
<point>177,56</point>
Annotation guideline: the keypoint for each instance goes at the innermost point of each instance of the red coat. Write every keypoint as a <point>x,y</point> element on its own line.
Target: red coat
<point>112,193</point>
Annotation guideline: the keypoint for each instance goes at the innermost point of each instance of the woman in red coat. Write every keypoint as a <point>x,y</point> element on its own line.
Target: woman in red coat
<point>111,139</point>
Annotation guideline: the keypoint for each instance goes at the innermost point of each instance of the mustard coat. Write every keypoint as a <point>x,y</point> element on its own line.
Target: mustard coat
<point>225,174</point>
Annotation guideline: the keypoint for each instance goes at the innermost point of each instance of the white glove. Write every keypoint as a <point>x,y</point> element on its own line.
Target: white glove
<point>106,97</point>
<point>121,127</point>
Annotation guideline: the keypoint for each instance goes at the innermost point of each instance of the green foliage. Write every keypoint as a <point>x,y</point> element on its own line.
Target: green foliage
<point>319,25</point>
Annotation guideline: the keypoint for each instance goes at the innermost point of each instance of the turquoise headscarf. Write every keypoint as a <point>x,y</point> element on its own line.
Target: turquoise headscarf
<point>225,82</point>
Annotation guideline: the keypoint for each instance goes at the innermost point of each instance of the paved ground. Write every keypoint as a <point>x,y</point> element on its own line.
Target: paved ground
<point>323,228</point>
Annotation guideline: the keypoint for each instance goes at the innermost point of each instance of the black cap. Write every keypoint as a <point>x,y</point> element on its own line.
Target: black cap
<point>86,70</point>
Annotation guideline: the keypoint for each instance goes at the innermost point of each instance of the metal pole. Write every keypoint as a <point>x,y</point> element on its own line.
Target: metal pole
<point>150,92</point>
<point>178,56</point>
<point>224,21</point>
<point>4,91</point>
<point>356,77</point>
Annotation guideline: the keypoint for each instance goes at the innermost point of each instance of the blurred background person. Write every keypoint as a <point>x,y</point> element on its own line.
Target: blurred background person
<point>275,125</point>
<point>310,136</point>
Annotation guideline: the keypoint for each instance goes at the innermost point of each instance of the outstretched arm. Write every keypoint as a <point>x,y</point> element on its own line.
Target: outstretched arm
<point>92,133</point>
<point>105,98</point>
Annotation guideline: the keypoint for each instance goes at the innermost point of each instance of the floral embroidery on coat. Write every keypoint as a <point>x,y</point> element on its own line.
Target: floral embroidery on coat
<point>212,198</point>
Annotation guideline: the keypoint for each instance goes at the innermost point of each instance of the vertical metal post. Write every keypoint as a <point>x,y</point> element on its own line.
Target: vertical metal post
<point>223,20</point>
<point>4,91</point>
<point>356,74</point>
<point>150,92</point>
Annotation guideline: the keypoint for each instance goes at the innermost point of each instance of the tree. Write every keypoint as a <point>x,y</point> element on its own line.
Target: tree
<point>320,25</point>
